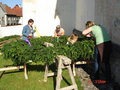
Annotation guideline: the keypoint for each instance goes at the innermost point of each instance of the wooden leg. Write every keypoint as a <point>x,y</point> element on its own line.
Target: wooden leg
<point>25,72</point>
<point>46,73</point>
<point>73,66</point>
<point>72,77</point>
<point>59,75</point>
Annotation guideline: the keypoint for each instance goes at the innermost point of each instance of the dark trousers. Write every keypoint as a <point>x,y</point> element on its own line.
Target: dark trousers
<point>104,51</point>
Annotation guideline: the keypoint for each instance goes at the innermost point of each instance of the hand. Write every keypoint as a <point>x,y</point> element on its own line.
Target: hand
<point>33,31</point>
<point>29,37</point>
<point>89,35</point>
<point>35,28</point>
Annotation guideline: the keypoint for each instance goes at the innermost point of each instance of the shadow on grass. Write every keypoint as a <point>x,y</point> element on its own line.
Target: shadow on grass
<point>35,67</point>
<point>54,82</point>
<point>39,67</point>
<point>9,72</point>
<point>52,68</point>
<point>66,81</point>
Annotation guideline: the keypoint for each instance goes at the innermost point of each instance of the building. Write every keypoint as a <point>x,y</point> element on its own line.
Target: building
<point>10,16</point>
<point>47,14</point>
<point>72,14</point>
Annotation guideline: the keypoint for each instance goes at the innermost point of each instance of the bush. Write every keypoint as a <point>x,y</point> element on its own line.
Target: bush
<point>8,37</point>
<point>20,52</point>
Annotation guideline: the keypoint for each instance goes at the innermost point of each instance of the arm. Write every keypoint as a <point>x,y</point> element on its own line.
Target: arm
<point>61,33</point>
<point>24,32</point>
<point>55,34</point>
<point>86,31</point>
<point>89,35</point>
<point>33,31</point>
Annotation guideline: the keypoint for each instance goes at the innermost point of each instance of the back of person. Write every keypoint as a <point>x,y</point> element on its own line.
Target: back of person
<point>104,48</point>
<point>100,34</point>
<point>72,39</point>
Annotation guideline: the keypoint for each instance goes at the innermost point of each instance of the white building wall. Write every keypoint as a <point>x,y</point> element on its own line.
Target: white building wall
<point>42,11</point>
<point>20,20</point>
<point>66,11</point>
<point>5,19</point>
<point>107,13</point>
<point>85,11</point>
<point>2,13</point>
<point>49,13</point>
<point>11,30</point>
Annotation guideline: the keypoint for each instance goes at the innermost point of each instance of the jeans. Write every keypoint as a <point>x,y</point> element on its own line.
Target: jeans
<point>104,51</point>
<point>96,60</point>
<point>28,42</point>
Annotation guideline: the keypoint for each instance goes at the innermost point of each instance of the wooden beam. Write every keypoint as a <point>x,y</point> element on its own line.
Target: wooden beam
<point>51,74</point>
<point>25,72</point>
<point>1,53</point>
<point>11,68</point>
<point>46,73</point>
<point>73,69</point>
<point>80,62</point>
<point>69,88</point>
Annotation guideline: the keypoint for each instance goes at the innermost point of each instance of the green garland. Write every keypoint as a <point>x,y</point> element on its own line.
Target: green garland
<point>20,52</point>
<point>8,37</point>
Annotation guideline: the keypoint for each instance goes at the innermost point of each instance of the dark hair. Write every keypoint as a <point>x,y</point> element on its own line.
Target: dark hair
<point>30,20</point>
<point>89,24</point>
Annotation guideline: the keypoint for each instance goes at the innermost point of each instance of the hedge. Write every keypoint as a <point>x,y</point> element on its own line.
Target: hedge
<point>8,37</point>
<point>19,52</point>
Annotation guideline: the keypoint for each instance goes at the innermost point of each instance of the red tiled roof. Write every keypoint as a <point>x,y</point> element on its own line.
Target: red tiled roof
<point>9,10</point>
<point>0,3</point>
<point>17,10</point>
<point>13,11</point>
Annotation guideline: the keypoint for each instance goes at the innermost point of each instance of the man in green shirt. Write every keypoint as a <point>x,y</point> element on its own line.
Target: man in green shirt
<point>104,46</point>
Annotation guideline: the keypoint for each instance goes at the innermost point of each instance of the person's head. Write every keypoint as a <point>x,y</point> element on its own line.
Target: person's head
<point>73,36</point>
<point>58,27</point>
<point>30,22</point>
<point>89,24</point>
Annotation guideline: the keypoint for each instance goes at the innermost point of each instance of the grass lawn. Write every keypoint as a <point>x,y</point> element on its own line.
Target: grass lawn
<point>14,80</point>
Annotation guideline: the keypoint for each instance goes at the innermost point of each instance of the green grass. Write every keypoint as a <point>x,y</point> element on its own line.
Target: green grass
<point>14,80</point>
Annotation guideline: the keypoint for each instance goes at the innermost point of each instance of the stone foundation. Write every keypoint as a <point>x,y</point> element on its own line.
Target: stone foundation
<point>85,74</point>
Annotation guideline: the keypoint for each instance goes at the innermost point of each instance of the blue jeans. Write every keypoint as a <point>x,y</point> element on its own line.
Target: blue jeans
<point>96,60</point>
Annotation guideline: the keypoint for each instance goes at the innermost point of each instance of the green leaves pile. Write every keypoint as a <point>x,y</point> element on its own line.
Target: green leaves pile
<point>8,37</point>
<point>20,52</point>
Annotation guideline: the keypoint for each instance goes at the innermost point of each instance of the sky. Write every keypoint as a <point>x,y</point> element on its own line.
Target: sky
<point>12,3</point>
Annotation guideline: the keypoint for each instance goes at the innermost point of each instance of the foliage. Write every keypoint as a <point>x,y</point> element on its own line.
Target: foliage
<point>20,52</point>
<point>8,37</point>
